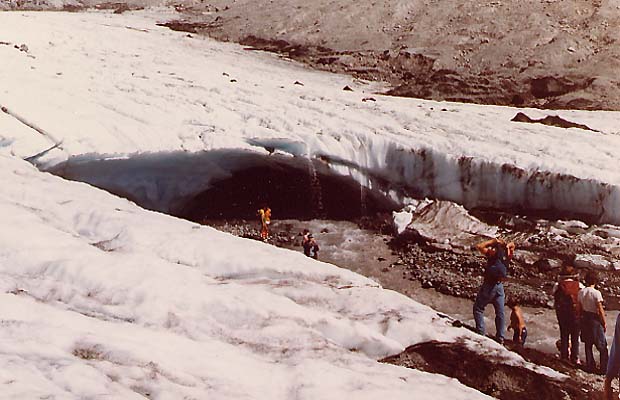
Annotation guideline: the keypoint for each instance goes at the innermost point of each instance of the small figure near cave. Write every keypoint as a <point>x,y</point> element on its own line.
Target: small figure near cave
<point>311,247</point>
<point>304,237</point>
<point>265,219</point>
<point>498,254</point>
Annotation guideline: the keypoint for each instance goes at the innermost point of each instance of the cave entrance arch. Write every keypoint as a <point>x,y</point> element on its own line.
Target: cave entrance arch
<point>230,184</point>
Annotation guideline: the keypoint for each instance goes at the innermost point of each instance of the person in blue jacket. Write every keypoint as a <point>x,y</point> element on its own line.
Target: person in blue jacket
<point>613,364</point>
<point>498,254</point>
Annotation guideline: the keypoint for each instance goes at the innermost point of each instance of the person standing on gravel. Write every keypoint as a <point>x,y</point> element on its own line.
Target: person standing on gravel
<point>517,324</point>
<point>567,310</point>
<point>593,324</point>
<point>265,219</point>
<point>311,247</point>
<point>498,254</point>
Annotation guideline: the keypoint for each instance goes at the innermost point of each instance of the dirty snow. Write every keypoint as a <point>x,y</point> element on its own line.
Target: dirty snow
<point>101,298</point>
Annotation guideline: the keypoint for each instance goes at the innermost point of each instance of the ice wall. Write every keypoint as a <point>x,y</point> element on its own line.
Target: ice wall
<point>168,181</point>
<point>421,172</point>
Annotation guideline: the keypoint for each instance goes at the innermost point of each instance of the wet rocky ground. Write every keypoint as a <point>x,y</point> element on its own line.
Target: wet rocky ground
<point>446,274</point>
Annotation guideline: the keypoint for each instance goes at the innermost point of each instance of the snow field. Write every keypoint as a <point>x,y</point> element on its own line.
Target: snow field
<point>113,301</point>
<point>103,299</point>
<point>143,88</point>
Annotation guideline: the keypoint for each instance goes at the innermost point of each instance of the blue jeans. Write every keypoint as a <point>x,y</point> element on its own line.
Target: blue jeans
<point>569,333</point>
<point>491,293</point>
<point>593,335</point>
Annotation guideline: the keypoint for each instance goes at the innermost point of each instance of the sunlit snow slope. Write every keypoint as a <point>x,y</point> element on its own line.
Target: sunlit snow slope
<point>102,299</point>
<point>113,86</point>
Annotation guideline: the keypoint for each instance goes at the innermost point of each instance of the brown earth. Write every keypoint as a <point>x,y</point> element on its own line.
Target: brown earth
<point>497,379</point>
<point>539,53</point>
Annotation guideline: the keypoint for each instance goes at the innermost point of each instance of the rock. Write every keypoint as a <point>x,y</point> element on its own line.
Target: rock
<point>543,265</point>
<point>440,246</point>
<point>610,231</point>
<point>445,225</point>
<point>551,120</point>
<point>573,227</point>
<point>593,261</point>
<point>347,89</point>
<point>558,232</point>
<point>526,257</point>
<point>298,83</point>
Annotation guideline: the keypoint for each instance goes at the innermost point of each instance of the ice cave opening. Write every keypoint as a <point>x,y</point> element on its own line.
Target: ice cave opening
<point>229,184</point>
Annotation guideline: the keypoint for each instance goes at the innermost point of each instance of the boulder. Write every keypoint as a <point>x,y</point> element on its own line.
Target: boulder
<point>445,224</point>
<point>592,261</point>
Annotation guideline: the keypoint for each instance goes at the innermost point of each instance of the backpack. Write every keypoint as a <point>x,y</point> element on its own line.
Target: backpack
<point>566,297</point>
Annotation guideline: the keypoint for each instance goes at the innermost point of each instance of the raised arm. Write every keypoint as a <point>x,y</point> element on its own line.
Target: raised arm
<point>486,246</point>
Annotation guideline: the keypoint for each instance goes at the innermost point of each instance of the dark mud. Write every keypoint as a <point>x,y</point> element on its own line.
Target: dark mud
<point>498,379</point>
<point>551,120</point>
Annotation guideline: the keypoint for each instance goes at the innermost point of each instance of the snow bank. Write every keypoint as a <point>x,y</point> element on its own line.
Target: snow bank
<point>148,89</point>
<point>102,298</point>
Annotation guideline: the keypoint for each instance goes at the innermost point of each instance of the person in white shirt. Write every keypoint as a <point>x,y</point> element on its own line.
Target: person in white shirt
<point>593,325</point>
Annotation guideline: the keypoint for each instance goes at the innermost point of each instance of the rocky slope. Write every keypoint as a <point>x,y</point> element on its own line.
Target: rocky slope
<point>539,53</point>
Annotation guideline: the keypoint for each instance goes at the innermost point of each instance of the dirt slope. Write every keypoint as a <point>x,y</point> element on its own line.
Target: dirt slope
<point>544,53</point>
<point>540,53</point>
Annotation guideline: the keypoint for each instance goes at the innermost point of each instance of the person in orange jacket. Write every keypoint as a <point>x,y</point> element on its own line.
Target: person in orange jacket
<point>265,220</point>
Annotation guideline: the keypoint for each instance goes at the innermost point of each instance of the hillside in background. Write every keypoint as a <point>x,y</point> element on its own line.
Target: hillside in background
<point>550,54</point>
<point>537,53</point>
